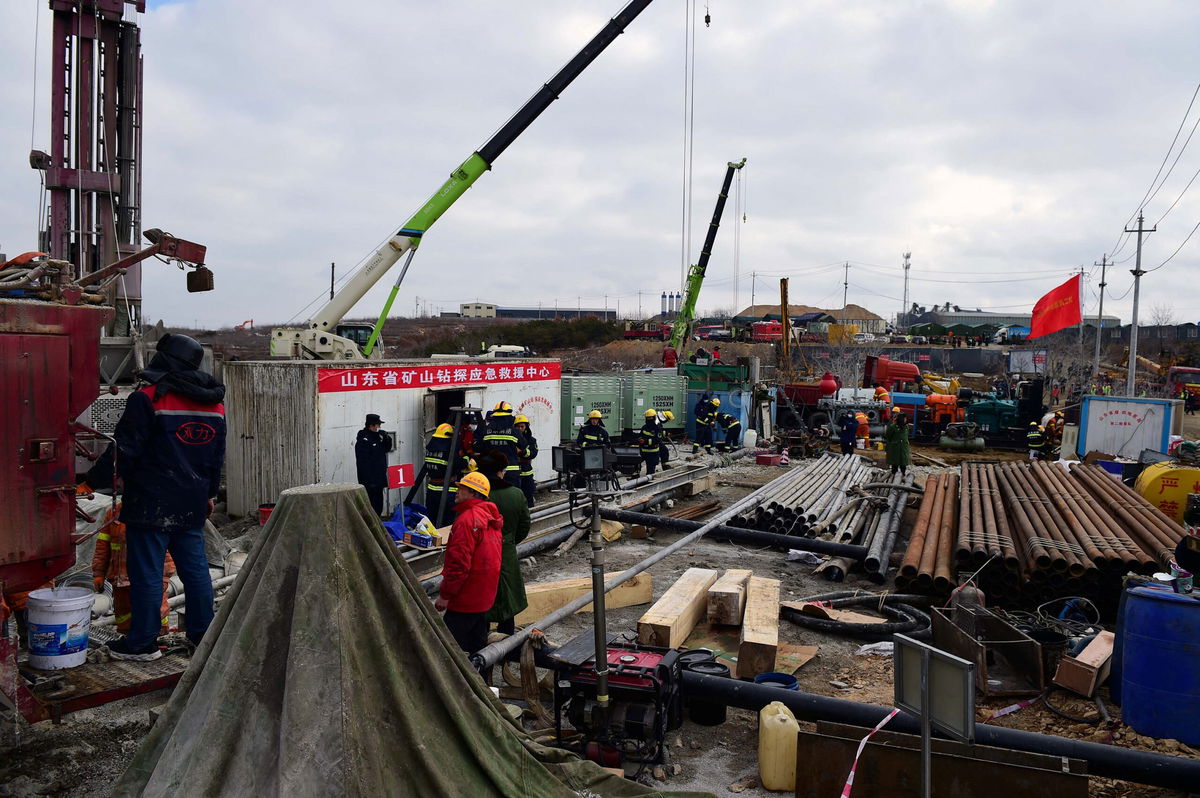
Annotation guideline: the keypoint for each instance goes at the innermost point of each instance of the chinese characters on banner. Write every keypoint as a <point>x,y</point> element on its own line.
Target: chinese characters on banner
<point>1120,418</point>
<point>387,378</point>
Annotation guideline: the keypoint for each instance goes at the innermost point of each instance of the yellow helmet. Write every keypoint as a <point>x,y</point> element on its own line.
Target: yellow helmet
<point>595,414</point>
<point>443,431</point>
<point>668,415</point>
<point>651,414</point>
<point>476,482</point>
<point>502,407</point>
<point>471,465</point>
<point>521,420</point>
<point>716,402</point>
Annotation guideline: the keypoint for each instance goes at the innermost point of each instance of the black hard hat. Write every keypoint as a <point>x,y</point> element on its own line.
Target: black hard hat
<point>373,419</point>
<point>181,350</point>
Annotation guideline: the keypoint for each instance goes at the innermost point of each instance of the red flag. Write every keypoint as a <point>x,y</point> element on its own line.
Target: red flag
<point>1056,310</point>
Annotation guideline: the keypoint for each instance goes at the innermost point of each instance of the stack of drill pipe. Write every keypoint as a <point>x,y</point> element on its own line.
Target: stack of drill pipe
<point>819,492</point>
<point>885,531</point>
<point>1156,533</point>
<point>1071,554</point>
<point>1117,551</point>
<point>983,532</point>
<point>928,562</point>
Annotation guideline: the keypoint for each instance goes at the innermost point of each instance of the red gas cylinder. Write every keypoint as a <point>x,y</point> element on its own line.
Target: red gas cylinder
<point>828,385</point>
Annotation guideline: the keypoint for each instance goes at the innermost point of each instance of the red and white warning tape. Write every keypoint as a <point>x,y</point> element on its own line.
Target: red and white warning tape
<point>861,745</point>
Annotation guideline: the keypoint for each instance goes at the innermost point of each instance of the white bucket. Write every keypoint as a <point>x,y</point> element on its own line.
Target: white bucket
<point>59,621</point>
<point>750,439</point>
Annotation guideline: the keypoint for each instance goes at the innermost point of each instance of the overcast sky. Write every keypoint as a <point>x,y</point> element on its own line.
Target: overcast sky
<point>1003,143</point>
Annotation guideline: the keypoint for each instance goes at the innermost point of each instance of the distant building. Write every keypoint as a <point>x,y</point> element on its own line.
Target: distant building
<point>1153,336</point>
<point>851,314</point>
<point>948,317</point>
<point>483,310</point>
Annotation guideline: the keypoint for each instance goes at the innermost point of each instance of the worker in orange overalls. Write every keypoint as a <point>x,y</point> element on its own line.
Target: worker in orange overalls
<point>883,395</point>
<point>864,427</point>
<point>109,563</point>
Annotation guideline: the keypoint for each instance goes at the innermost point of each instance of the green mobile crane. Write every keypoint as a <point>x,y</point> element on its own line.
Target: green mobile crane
<point>687,310</point>
<point>325,337</point>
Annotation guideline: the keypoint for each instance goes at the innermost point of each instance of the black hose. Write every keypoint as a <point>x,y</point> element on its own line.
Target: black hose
<point>904,617</point>
<point>1065,715</point>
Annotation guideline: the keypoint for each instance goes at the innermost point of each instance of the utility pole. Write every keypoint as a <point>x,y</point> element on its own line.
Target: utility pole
<point>904,309</point>
<point>1137,273</point>
<point>753,280</point>
<point>1081,308</point>
<point>639,305</point>
<point>846,285</point>
<point>332,269</point>
<point>1100,314</point>
<point>416,307</point>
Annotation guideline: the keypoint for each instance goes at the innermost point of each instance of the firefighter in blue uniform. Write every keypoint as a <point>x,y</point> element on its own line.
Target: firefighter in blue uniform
<point>650,440</point>
<point>705,414</point>
<point>592,433</point>
<point>664,453</point>
<point>501,435</point>
<point>733,432</point>
<point>440,474</point>
<point>528,483</point>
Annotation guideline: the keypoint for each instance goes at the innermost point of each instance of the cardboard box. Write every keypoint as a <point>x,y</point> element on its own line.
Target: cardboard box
<point>1084,673</point>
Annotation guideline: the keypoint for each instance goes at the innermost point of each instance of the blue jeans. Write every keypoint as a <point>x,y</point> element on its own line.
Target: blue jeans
<point>147,553</point>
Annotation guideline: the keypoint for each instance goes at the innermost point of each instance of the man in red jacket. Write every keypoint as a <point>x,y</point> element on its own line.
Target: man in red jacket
<point>471,567</point>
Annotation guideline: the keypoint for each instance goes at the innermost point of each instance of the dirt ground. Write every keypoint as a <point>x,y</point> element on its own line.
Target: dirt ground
<point>84,755</point>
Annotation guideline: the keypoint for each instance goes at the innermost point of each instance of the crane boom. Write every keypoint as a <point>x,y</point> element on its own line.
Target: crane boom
<point>320,339</point>
<point>687,310</point>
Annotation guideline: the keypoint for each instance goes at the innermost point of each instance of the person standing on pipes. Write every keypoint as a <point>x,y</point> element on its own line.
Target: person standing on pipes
<point>169,449</point>
<point>510,591</point>
<point>895,441</point>
<point>370,458</point>
<point>525,459</point>
<point>471,567</point>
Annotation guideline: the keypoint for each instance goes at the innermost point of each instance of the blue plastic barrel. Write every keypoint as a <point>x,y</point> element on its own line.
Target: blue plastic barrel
<point>1160,665</point>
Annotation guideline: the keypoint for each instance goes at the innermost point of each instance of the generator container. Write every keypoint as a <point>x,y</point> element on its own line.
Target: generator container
<point>581,394</point>
<point>660,392</point>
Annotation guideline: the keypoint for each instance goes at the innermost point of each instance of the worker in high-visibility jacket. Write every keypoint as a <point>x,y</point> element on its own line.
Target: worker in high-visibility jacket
<point>109,564</point>
<point>441,470</point>
<point>1035,440</point>
<point>883,395</point>
<point>733,432</point>
<point>705,414</point>
<point>864,427</point>
<point>650,440</point>
<point>526,455</point>
<point>664,454</point>
<point>501,435</point>
<point>592,433</point>
<point>1054,429</point>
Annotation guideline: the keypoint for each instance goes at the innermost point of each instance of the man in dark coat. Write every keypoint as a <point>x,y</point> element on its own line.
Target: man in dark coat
<point>370,456</point>
<point>501,435</point>
<point>847,426</point>
<point>169,448</point>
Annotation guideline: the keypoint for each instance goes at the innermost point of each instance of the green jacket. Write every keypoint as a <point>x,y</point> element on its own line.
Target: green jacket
<point>895,441</point>
<point>510,593</point>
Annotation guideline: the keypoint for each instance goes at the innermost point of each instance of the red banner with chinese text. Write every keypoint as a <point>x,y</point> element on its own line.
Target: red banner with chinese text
<point>384,378</point>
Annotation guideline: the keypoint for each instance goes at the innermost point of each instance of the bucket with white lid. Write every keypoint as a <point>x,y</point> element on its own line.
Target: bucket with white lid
<point>59,621</point>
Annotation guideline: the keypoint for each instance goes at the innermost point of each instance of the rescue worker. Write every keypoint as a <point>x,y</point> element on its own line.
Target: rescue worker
<point>669,357</point>
<point>895,442</point>
<point>847,426</point>
<point>471,568</point>
<point>109,564</point>
<point>510,591</point>
<point>370,458</point>
<point>169,449</point>
<point>864,427</point>
<point>526,455</point>
<point>1054,428</point>
<point>438,472</point>
<point>883,395</point>
<point>593,433</point>
<point>705,414</point>
<point>733,432</point>
<point>1035,439</point>
<point>650,440</point>
<point>501,435</point>
<point>664,454</point>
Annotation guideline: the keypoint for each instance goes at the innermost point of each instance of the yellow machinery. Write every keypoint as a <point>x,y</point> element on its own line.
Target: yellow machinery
<point>1167,485</point>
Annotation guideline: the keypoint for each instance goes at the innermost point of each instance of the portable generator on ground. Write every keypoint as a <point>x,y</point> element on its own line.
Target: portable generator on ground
<point>644,704</point>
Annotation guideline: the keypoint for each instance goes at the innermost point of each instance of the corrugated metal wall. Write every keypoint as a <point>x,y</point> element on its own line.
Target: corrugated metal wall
<point>272,437</point>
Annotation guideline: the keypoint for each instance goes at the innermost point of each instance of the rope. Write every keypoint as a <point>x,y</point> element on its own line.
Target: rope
<point>1053,545</point>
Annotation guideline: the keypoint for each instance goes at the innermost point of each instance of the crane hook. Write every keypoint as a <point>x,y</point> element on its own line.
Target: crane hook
<point>707,17</point>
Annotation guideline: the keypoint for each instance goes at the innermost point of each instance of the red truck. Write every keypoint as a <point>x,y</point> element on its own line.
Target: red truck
<point>647,331</point>
<point>761,331</point>
<point>890,374</point>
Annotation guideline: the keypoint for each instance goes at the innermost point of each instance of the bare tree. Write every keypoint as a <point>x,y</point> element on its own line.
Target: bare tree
<point>1162,314</point>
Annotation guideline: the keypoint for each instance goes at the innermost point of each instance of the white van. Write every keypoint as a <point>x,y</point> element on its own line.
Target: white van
<point>863,338</point>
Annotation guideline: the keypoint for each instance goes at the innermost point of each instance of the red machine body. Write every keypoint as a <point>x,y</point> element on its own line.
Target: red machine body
<point>49,367</point>
<point>889,373</point>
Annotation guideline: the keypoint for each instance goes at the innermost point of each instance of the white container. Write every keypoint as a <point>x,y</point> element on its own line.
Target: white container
<point>1123,426</point>
<point>750,439</point>
<point>59,621</point>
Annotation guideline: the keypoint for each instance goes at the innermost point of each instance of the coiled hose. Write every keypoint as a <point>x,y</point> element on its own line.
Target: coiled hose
<point>903,617</point>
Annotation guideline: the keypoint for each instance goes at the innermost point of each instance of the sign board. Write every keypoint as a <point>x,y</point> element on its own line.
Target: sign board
<point>951,687</point>
<point>923,358</point>
<point>400,476</point>
<point>1027,361</point>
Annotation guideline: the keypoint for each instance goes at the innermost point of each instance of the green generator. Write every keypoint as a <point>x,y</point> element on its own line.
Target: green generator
<point>581,394</point>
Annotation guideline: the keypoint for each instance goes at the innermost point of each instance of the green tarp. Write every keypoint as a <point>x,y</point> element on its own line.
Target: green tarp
<point>329,673</point>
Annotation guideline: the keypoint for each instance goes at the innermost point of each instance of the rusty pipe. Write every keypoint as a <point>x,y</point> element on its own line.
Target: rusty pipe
<point>916,544</point>
<point>943,576</point>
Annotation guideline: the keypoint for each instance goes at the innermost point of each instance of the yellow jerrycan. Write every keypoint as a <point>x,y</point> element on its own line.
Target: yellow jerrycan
<point>777,735</point>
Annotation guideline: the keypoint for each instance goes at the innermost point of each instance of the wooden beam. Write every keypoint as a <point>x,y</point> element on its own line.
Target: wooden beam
<point>727,597</point>
<point>672,618</point>
<point>760,628</point>
<point>547,597</point>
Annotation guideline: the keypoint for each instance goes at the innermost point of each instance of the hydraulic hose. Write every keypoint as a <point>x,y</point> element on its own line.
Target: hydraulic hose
<point>904,618</point>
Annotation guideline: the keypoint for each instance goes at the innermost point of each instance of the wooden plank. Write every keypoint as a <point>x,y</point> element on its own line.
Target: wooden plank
<point>547,597</point>
<point>672,618</point>
<point>760,628</point>
<point>727,597</point>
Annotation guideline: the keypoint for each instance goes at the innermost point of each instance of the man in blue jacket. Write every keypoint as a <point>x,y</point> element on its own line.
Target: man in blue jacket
<point>169,448</point>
